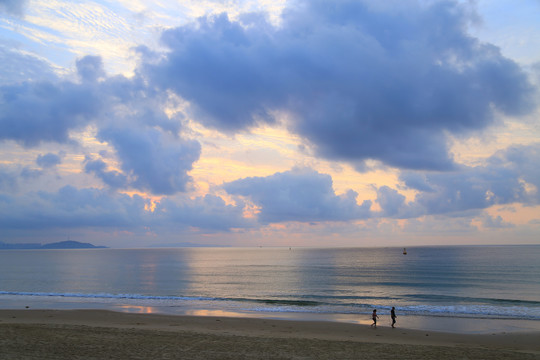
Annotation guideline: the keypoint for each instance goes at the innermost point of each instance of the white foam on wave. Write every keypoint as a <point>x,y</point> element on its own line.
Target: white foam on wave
<point>254,305</point>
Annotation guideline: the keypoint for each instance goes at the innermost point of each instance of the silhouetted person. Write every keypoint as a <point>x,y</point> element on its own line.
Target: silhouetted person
<point>393,315</point>
<point>374,317</point>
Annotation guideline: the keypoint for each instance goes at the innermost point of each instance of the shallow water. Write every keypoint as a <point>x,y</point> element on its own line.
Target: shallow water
<point>476,283</point>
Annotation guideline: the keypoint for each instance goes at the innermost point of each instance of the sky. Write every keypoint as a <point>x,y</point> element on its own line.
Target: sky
<point>141,123</point>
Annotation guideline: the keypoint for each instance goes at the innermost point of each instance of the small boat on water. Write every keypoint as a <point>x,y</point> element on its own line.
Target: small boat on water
<point>404,251</point>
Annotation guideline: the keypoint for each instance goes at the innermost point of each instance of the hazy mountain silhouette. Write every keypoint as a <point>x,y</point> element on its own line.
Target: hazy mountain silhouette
<point>69,244</point>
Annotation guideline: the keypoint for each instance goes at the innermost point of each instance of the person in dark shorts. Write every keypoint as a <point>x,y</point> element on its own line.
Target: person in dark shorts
<point>393,315</point>
<point>374,317</point>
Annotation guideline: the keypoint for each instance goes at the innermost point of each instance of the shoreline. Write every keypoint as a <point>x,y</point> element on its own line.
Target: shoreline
<point>84,333</point>
<point>448,324</point>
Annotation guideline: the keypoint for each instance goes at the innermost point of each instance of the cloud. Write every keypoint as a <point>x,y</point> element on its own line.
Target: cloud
<point>127,114</point>
<point>150,160</point>
<point>208,213</point>
<point>415,180</point>
<point>131,102</point>
<point>14,7</point>
<point>31,113</point>
<point>100,209</point>
<point>48,160</point>
<point>112,178</point>
<point>520,163</point>
<point>509,176</point>
<point>36,106</point>
<point>70,207</point>
<point>298,195</point>
<point>356,80</point>
<point>18,67</point>
<point>360,81</point>
<point>12,176</point>
<point>46,111</point>
<point>438,226</point>
<point>90,68</point>
<point>8,179</point>
<point>496,222</point>
<point>391,202</point>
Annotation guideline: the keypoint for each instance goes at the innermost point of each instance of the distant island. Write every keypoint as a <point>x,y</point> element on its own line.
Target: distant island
<point>69,244</point>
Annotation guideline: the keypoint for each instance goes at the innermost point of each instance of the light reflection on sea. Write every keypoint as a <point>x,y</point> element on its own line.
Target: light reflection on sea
<point>471,286</point>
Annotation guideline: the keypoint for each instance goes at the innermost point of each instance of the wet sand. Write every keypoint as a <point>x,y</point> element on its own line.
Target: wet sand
<point>100,334</point>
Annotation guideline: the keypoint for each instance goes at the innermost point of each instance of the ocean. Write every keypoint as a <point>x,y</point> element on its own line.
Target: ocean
<point>477,284</point>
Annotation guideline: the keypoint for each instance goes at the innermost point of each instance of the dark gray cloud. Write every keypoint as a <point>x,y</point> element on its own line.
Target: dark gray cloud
<point>19,67</point>
<point>128,114</point>
<point>13,176</point>
<point>90,68</point>
<point>111,178</point>
<point>35,112</point>
<point>209,213</point>
<point>302,195</point>
<point>15,7</point>
<point>70,207</point>
<point>40,107</point>
<point>150,161</point>
<point>46,110</point>
<point>132,103</point>
<point>521,162</point>
<point>390,201</point>
<point>362,82</point>
<point>496,222</point>
<point>48,160</point>
<point>8,179</point>
<point>96,209</point>
<point>29,173</point>
<point>509,176</point>
<point>299,195</point>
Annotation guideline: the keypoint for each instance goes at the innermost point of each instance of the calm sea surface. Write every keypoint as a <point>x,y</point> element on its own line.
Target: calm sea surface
<point>488,282</point>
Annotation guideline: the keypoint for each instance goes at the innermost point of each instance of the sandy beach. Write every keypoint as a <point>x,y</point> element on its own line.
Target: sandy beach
<point>99,334</point>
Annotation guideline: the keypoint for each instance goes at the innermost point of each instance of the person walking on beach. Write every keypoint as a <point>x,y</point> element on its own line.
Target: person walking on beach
<point>393,315</point>
<point>374,317</point>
